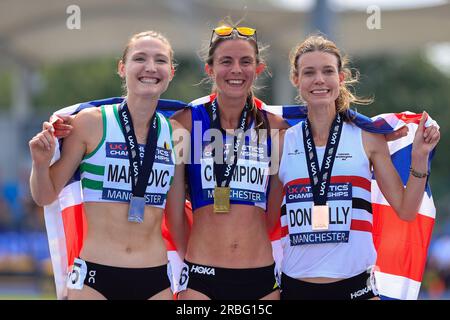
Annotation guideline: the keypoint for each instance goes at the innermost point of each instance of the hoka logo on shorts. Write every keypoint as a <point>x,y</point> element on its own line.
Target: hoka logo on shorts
<point>209,271</point>
<point>359,293</point>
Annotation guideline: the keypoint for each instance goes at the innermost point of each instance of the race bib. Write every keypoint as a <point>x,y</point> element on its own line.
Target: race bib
<point>249,180</point>
<point>299,202</point>
<point>117,178</point>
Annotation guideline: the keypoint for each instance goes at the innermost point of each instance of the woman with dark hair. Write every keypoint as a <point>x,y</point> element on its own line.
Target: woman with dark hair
<point>229,253</point>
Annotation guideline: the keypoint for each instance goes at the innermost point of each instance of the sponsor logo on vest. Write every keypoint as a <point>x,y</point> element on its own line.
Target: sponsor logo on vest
<point>302,193</point>
<point>344,156</point>
<point>298,189</point>
<point>117,146</point>
<point>119,150</point>
<point>296,152</point>
<point>209,271</point>
<point>163,155</point>
<point>259,152</point>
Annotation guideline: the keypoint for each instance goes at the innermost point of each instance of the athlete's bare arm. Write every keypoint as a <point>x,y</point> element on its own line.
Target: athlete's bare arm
<point>47,181</point>
<point>175,206</point>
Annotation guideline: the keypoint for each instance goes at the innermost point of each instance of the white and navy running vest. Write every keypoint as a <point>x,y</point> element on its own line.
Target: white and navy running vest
<point>346,248</point>
<point>250,181</point>
<point>105,172</point>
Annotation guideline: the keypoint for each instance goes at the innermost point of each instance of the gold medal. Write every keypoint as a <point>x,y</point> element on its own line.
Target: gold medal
<point>320,217</point>
<point>221,199</point>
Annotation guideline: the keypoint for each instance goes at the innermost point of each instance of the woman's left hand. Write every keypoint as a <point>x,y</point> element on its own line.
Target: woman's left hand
<point>426,138</point>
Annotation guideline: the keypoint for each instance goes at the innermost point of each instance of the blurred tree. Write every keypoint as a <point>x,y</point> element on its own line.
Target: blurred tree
<point>187,84</point>
<point>70,83</point>
<point>74,82</point>
<point>5,90</point>
<point>411,83</point>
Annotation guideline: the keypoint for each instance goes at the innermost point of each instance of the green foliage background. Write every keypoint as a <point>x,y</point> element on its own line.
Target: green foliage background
<point>411,83</point>
<point>397,83</point>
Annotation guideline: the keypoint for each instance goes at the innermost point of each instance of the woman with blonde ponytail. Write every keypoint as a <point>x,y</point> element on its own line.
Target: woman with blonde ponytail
<point>326,167</point>
<point>123,254</point>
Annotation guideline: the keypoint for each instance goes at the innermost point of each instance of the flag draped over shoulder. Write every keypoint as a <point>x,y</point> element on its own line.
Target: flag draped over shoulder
<point>401,246</point>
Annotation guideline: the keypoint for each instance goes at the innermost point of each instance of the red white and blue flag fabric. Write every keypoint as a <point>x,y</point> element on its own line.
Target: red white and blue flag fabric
<point>401,246</point>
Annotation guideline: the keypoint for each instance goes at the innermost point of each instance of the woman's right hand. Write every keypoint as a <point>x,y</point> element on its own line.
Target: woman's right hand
<point>42,145</point>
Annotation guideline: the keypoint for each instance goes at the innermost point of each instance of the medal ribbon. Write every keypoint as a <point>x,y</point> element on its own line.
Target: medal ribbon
<point>139,172</point>
<point>320,180</point>
<point>224,172</point>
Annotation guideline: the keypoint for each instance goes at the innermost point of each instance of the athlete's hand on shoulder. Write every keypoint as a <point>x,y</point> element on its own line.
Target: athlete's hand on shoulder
<point>400,133</point>
<point>62,125</point>
<point>42,145</point>
<point>182,119</point>
<point>277,122</point>
<point>426,138</point>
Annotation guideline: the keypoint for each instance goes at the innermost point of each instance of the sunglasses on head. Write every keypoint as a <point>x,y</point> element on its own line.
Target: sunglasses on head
<point>225,31</point>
